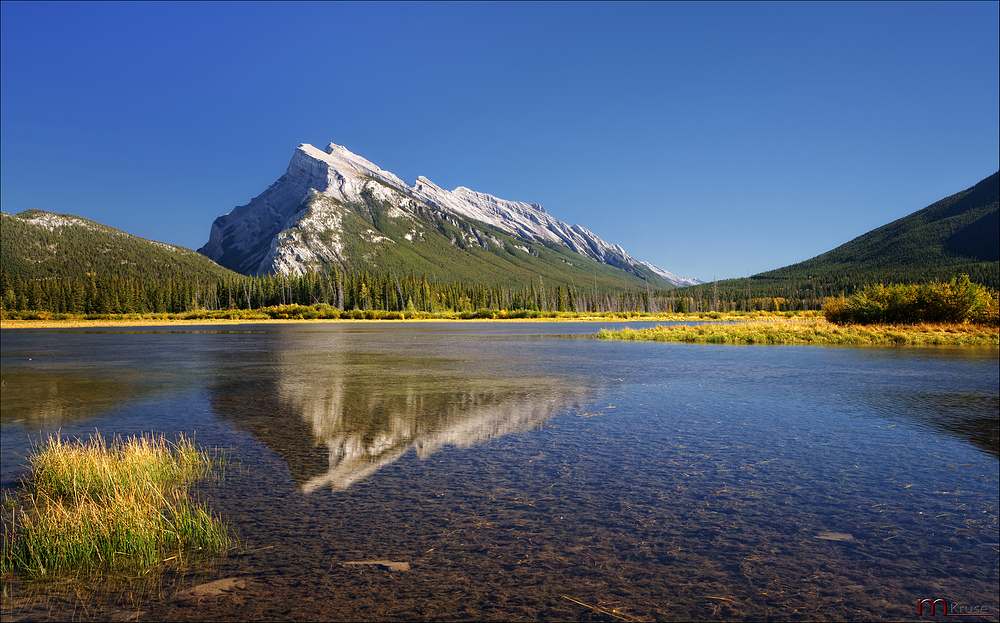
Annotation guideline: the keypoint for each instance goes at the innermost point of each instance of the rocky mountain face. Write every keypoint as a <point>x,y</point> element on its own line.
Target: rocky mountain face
<point>307,219</point>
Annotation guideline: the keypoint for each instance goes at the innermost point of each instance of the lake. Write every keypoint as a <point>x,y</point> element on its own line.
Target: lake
<point>524,472</point>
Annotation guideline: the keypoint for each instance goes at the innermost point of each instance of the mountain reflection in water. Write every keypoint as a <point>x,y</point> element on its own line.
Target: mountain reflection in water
<point>43,398</point>
<point>337,423</point>
<point>963,416</point>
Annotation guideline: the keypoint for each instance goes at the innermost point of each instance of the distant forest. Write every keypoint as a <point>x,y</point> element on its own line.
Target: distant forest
<point>365,290</point>
<point>796,289</point>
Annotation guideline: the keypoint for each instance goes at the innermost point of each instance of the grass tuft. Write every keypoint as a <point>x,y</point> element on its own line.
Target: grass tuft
<point>88,504</point>
<point>814,332</point>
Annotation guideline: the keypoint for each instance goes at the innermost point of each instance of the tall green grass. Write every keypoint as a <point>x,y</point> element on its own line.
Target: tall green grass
<point>90,505</point>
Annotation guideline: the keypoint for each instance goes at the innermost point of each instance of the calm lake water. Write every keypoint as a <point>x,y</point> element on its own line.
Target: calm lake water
<point>524,474</point>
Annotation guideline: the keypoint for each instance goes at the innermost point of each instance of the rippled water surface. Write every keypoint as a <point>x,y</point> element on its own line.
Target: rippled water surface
<point>524,474</point>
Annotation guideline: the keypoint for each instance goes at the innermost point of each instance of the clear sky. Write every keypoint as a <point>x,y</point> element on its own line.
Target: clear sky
<point>711,139</point>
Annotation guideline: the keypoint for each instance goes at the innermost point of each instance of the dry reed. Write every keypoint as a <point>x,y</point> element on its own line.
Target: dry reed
<point>89,504</point>
<point>814,332</point>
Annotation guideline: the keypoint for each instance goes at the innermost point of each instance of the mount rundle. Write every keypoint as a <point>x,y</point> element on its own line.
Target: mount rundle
<point>303,221</point>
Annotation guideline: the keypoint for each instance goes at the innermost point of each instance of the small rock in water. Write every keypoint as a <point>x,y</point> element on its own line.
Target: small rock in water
<point>835,536</point>
<point>211,589</point>
<point>388,565</point>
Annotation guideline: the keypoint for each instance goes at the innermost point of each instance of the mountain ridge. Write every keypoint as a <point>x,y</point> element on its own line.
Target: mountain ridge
<point>298,223</point>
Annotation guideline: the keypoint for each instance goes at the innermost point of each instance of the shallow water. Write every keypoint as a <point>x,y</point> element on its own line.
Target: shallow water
<point>526,475</point>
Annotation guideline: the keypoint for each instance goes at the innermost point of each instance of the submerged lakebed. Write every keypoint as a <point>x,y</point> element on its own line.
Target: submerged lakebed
<point>521,475</point>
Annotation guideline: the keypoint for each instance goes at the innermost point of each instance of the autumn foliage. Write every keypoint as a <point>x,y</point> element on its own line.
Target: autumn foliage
<point>956,301</point>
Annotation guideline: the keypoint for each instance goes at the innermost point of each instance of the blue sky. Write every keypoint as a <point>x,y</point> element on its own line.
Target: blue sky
<point>712,139</point>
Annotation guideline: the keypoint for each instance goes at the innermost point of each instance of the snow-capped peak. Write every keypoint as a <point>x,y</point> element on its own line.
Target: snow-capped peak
<point>342,175</point>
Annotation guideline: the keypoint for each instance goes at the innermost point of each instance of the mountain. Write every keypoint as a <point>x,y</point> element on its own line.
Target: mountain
<point>335,207</point>
<point>957,235</point>
<point>37,245</point>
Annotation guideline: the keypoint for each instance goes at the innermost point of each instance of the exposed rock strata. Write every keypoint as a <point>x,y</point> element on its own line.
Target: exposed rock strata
<point>295,224</point>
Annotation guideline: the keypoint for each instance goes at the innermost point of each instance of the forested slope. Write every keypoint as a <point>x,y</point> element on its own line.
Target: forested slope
<point>957,235</point>
<point>41,245</point>
<point>954,236</point>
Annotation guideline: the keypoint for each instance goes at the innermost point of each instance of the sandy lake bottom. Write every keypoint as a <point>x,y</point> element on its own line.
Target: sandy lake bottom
<point>524,475</point>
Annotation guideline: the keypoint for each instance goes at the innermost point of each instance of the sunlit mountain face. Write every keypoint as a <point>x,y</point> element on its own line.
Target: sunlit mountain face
<point>335,208</point>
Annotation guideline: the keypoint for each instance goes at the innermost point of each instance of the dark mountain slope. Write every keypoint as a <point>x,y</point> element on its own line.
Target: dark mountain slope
<point>954,236</point>
<point>38,245</point>
<point>958,234</point>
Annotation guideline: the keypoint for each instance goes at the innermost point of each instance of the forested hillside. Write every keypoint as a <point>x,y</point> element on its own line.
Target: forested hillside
<point>957,235</point>
<point>41,245</point>
<point>60,263</point>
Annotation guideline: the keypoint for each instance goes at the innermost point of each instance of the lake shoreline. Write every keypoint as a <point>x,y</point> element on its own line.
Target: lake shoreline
<point>131,320</point>
<point>704,328</point>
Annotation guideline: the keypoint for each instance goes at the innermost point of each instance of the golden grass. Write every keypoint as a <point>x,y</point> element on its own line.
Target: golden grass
<point>817,332</point>
<point>87,504</point>
<point>50,321</point>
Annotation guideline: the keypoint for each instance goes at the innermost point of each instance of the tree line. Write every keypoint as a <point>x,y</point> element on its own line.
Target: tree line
<point>343,290</point>
<point>376,291</point>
